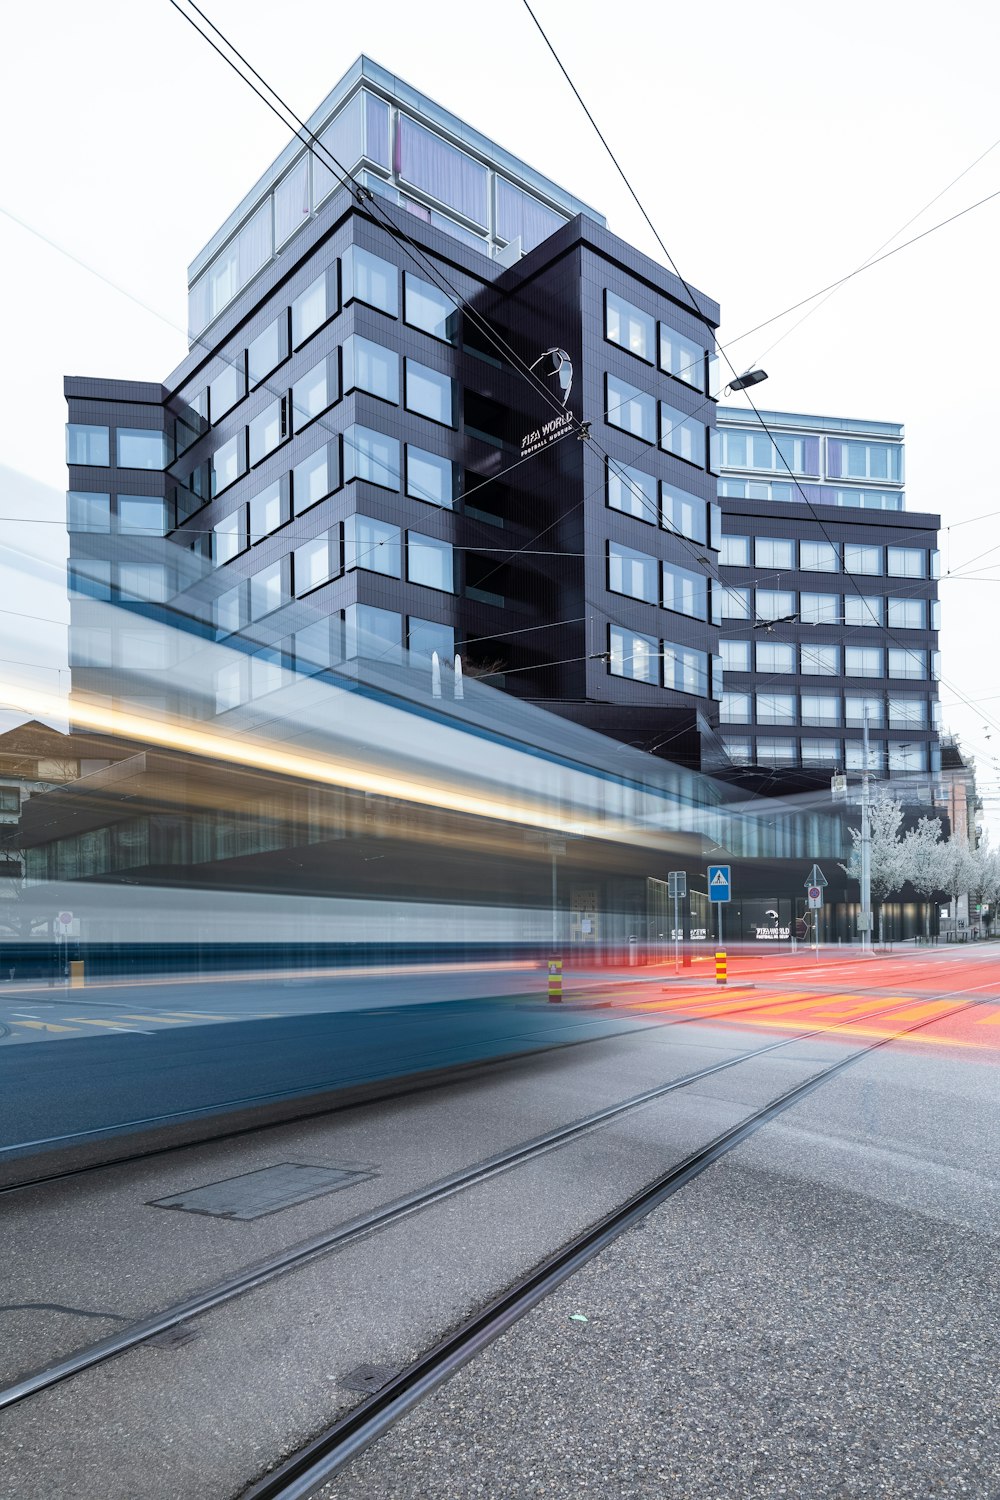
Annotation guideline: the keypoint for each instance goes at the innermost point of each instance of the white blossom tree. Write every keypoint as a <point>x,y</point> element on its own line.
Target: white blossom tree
<point>888,855</point>
<point>959,870</point>
<point>926,862</point>
<point>984,886</point>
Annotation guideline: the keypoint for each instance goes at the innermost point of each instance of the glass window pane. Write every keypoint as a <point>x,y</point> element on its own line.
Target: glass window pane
<point>146,581</point>
<point>373,633</point>
<point>735,551</point>
<point>863,661</point>
<point>370,279</point>
<point>521,216</point>
<point>906,562</point>
<point>633,573</point>
<point>430,309</point>
<point>775,604</point>
<point>426,637</point>
<point>141,515</point>
<point>819,557</point>
<point>856,705</point>
<point>682,436</point>
<point>442,171</point>
<point>904,662</point>
<point>735,655</point>
<point>309,310</point>
<point>820,708</point>
<point>730,604</point>
<point>268,511</point>
<point>89,579</point>
<point>863,609</point>
<point>685,670</point>
<point>771,552</point>
<point>429,477</point>
<point>341,146</point>
<point>734,708</point>
<point>231,536</point>
<point>313,393</point>
<point>88,445</point>
<point>860,558</point>
<point>682,357</point>
<point>372,545</point>
<point>313,479</point>
<point>775,656</point>
<point>820,660</point>
<point>88,512</point>
<point>630,409</point>
<point>776,708</point>
<point>633,655</point>
<point>268,430</point>
<point>291,201</point>
<point>632,491</point>
<point>683,513</point>
<point>429,393</point>
<point>371,456</point>
<point>628,326</point>
<point>268,349</point>
<point>429,562</point>
<point>685,592</point>
<point>313,564</point>
<point>267,590</point>
<point>371,367</point>
<point>139,449</point>
<point>226,389</point>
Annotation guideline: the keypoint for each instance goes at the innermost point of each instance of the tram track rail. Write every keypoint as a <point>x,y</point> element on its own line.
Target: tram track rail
<point>394,1212</point>
<point>315,1464</point>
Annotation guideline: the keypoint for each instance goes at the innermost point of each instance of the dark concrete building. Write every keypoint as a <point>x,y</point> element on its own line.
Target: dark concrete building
<point>375,446</point>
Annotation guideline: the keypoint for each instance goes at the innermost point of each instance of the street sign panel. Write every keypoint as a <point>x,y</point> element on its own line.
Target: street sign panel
<point>815,896</point>
<point>816,877</point>
<point>718,883</point>
<point>677,883</point>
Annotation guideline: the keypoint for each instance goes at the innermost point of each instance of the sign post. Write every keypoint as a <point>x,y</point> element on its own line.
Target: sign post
<point>814,884</point>
<point>677,889</point>
<point>718,891</point>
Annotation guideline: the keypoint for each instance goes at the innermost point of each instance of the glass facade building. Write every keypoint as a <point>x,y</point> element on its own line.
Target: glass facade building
<point>830,608</point>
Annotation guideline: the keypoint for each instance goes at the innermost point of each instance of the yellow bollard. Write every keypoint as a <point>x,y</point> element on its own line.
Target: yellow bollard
<point>555,980</point>
<point>720,966</point>
<point>76,980</point>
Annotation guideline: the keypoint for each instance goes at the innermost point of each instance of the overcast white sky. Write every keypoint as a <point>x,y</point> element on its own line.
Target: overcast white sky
<point>775,145</point>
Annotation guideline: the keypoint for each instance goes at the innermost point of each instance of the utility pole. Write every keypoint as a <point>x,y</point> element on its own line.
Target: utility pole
<point>866,853</point>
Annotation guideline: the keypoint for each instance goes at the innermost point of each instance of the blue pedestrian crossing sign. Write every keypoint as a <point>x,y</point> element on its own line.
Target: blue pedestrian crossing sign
<point>718,882</point>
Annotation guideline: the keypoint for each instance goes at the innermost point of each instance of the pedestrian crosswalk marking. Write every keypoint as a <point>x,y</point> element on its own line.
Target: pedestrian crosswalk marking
<point>43,1025</point>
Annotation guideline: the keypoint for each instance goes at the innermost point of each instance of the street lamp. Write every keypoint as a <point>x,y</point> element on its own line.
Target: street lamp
<point>745,381</point>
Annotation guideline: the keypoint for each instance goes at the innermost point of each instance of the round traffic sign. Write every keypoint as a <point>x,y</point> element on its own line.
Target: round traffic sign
<point>65,918</point>
<point>814,893</point>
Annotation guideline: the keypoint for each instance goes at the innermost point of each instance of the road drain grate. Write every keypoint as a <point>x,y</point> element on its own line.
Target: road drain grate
<point>368,1378</point>
<point>266,1191</point>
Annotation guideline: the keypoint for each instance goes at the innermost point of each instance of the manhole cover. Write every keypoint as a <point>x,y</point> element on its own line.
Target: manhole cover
<point>266,1191</point>
<point>368,1378</point>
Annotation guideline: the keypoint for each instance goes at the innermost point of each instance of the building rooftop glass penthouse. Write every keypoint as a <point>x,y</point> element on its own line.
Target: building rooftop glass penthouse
<point>833,460</point>
<point>399,144</point>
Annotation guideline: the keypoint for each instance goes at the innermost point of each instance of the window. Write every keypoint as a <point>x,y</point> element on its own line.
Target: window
<point>684,592</point>
<point>372,632</point>
<point>427,308</point>
<point>267,672</point>
<point>775,752</point>
<point>143,650</point>
<point>864,609</point>
<point>231,536</point>
<point>770,552</point>
<point>630,409</point>
<point>442,171</point>
<point>907,757</point>
<point>145,581</point>
<point>738,750</point>
<point>226,389</point>
<point>268,510</point>
<point>267,590</point>
<point>735,656</point>
<point>853,460</point>
<point>935,562</point>
<point>820,660</point>
<point>854,759</point>
<point>633,573</point>
<point>371,456</point>
<point>906,562</point>
<point>731,604</point>
<point>863,661</point>
<point>520,216</point>
<point>820,708</point>
<point>141,515</point>
<point>682,357</point>
<point>269,430</point>
<point>819,557</point>
<point>685,670</point>
<point>370,279</point>
<point>313,564</point>
<point>89,646</point>
<point>775,656</point>
<point>682,436</point>
<point>821,752</point>
<point>735,552</point>
<point>372,545</point>
<point>633,655</point>
<point>315,477</point>
<point>632,491</point>
<point>87,512</point>
<point>907,614</point>
<point>268,349</point>
<point>311,309</point>
<point>429,477</point>
<point>88,445</point>
<point>683,513</point>
<point>856,705</point>
<point>734,708</point>
<point>370,367</point>
<point>291,201</point>
<point>906,663</point>
<point>228,462</point>
<point>775,604</point>
<point>426,637</point>
<point>430,562</point>
<point>756,450</point>
<point>139,449</point>
<point>935,614</point>
<point>627,326</point>
<point>89,580</point>
<point>775,708</point>
<point>232,268</point>
<point>429,393</point>
<point>860,558</point>
<point>936,665</point>
<point>819,609</point>
<point>319,644</point>
<point>315,391</point>
<point>907,713</point>
<point>232,609</point>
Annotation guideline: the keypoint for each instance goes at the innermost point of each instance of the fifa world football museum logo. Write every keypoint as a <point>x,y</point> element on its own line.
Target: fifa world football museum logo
<point>560,369</point>
<point>556,365</point>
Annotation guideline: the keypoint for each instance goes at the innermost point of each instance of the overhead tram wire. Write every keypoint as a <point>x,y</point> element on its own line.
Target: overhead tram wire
<point>722,347</point>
